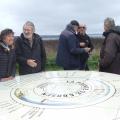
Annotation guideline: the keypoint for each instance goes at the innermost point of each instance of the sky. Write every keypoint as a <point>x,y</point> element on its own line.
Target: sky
<point>51,16</point>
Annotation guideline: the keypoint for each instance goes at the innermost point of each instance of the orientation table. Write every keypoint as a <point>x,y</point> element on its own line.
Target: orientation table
<point>61,95</point>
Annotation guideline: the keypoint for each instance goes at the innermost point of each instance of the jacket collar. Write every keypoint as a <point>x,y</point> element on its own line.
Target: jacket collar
<point>115,29</point>
<point>70,27</point>
<point>26,41</point>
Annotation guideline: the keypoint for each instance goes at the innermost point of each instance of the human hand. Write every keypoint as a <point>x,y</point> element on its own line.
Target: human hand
<point>7,78</point>
<point>82,44</point>
<point>87,49</point>
<point>31,63</point>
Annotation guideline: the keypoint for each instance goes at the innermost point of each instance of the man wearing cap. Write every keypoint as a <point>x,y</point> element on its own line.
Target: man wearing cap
<point>68,54</point>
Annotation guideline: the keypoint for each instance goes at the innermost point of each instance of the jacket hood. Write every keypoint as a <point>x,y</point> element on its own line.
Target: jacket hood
<point>116,29</point>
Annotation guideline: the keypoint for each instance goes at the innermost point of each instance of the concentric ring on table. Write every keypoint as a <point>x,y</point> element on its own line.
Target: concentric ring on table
<point>64,93</point>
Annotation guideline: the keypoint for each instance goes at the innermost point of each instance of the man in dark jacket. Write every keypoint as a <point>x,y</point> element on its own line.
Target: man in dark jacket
<point>85,41</point>
<point>30,51</point>
<point>68,54</point>
<point>7,55</point>
<point>110,51</point>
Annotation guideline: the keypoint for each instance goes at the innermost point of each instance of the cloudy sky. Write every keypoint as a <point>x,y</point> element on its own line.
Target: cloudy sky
<point>51,16</point>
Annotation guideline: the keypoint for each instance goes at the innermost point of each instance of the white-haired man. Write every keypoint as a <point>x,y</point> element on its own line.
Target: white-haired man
<point>110,51</point>
<point>30,51</point>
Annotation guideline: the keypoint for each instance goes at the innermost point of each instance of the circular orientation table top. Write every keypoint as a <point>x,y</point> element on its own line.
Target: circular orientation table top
<point>86,95</point>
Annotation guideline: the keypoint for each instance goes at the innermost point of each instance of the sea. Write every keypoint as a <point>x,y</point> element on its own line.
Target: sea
<point>56,37</point>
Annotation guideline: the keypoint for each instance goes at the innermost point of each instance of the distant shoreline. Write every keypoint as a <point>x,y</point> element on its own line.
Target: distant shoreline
<point>56,37</point>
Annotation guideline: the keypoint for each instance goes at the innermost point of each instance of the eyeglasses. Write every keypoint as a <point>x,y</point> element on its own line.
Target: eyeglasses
<point>82,27</point>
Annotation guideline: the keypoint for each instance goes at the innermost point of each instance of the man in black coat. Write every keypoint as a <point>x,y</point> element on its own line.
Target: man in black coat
<point>68,54</point>
<point>7,55</point>
<point>85,41</point>
<point>30,51</point>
